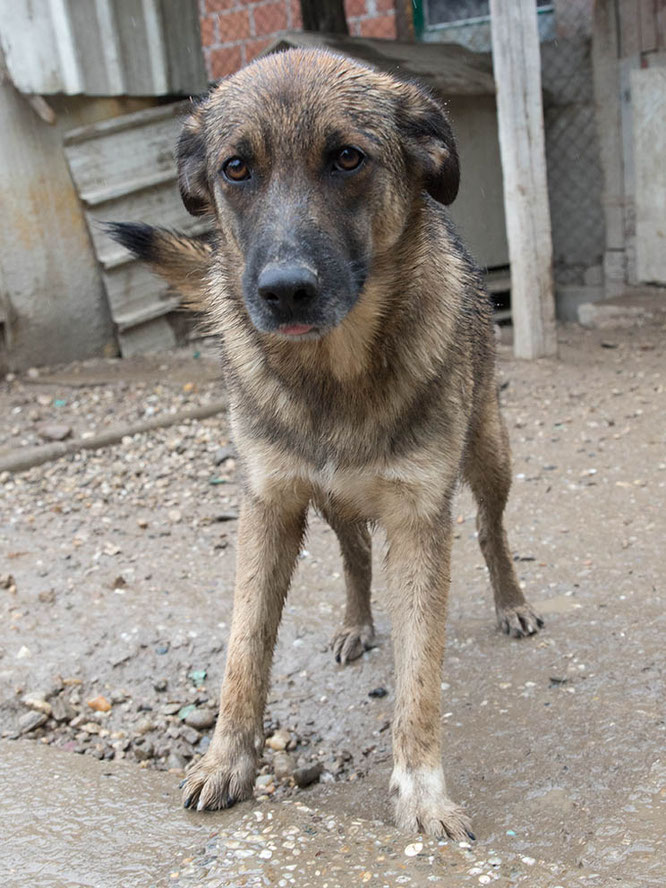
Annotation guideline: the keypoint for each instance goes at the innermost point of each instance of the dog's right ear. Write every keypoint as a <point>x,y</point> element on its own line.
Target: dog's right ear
<point>193,181</point>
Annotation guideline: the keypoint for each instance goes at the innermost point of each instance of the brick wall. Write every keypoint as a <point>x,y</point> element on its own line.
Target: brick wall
<point>233,32</point>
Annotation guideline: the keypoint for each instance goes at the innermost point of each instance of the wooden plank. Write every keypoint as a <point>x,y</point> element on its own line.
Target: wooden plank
<point>133,288</point>
<point>630,30</point>
<point>606,76</point>
<point>517,65</point>
<point>109,159</point>
<point>648,24</point>
<point>113,192</point>
<point>661,24</point>
<point>152,336</point>
<point>648,93</point>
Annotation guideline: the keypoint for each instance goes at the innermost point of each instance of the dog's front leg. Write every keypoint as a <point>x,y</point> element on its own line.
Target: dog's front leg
<point>269,539</point>
<point>419,575</point>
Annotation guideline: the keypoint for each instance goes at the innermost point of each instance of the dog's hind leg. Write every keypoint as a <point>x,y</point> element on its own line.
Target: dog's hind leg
<point>357,631</point>
<point>488,471</point>
<point>269,538</point>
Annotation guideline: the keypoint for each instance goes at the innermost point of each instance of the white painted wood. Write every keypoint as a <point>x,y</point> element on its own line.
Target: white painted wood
<point>156,45</point>
<point>517,67</point>
<point>648,93</point>
<point>103,47</point>
<point>69,65</point>
<point>108,31</point>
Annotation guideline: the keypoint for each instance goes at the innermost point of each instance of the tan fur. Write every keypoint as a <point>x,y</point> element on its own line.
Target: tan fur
<point>376,421</point>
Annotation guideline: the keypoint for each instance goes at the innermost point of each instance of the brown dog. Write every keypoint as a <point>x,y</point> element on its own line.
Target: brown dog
<point>359,358</point>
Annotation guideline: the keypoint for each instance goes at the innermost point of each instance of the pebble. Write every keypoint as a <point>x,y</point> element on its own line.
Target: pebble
<point>30,721</point>
<point>37,701</point>
<point>99,704</point>
<point>144,752</point>
<point>414,849</point>
<point>62,710</point>
<point>189,735</point>
<point>283,766</point>
<point>378,692</point>
<point>223,453</point>
<point>201,719</point>
<point>264,780</point>
<point>144,726</point>
<point>279,740</point>
<point>23,653</point>
<point>307,775</point>
<point>55,431</point>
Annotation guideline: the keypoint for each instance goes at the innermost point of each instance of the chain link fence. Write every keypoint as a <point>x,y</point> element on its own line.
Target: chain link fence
<point>572,150</point>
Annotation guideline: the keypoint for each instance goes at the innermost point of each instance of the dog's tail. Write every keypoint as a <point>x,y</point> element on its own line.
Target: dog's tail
<point>181,259</point>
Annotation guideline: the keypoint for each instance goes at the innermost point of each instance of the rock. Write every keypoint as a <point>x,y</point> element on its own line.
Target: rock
<point>144,752</point>
<point>226,516</point>
<point>283,766</point>
<point>223,453</point>
<point>91,728</point>
<point>264,780</point>
<point>189,735</point>
<point>160,685</point>
<point>7,581</point>
<point>37,701</point>
<point>99,704</point>
<point>279,740</point>
<point>55,431</point>
<point>24,653</point>
<point>307,775</point>
<point>62,710</point>
<point>118,696</point>
<point>30,721</point>
<point>378,692</point>
<point>201,719</point>
<point>176,762</point>
<point>144,726</point>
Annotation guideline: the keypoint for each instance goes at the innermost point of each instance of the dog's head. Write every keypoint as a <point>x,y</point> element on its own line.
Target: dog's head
<point>312,164</point>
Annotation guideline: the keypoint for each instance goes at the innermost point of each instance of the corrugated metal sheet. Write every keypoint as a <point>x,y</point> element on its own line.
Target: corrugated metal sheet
<point>103,47</point>
<point>124,170</point>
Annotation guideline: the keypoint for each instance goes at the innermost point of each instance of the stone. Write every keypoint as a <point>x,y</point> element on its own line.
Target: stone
<point>307,775</point>
<point>283,766</point>
<point>223,453</point>
<point>62,710</point>
<point>37,701</point>
<point>99,704</point>
<point>31,721</point>
<point>279,740</point>
<point>189,735</point>
<point>144,752</point>
<point>201,719</point>
<point>55,431</point>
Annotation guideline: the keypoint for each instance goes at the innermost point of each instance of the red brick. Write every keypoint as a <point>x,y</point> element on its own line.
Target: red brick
<point>296,18</point>
<point>222,62</point>
<point>219,5</point>
<point>386,5</point>
<point>254,47</point>
<point>269,18</point>
<point>354,8</point>
<point>208,32</point>
<point>233,26</point>
<point>380,26</point>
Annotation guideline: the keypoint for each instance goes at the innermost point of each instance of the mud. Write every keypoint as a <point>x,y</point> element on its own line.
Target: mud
<point>121,580</point>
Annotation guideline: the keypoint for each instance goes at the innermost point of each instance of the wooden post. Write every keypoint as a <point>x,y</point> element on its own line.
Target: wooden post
<point>517,66</point>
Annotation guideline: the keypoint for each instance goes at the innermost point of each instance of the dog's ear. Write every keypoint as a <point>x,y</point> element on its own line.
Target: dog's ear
<point>193,181</point>
<point>428,139</point>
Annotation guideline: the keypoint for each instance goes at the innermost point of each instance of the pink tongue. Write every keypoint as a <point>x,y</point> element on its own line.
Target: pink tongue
<point>296,329</point>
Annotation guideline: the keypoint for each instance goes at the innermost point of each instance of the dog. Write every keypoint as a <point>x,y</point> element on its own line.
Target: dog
<point>359,358</point>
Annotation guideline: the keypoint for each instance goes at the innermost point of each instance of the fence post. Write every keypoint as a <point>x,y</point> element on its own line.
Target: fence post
<point>517,67</point>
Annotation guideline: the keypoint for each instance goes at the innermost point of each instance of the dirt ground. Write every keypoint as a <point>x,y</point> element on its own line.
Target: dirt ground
<point>116,578</point>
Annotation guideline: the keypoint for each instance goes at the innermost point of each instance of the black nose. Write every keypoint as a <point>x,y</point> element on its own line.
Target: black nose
<point>287,287</point>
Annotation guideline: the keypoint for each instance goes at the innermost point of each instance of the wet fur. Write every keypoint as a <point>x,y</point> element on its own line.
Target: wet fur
<point>376,421</point>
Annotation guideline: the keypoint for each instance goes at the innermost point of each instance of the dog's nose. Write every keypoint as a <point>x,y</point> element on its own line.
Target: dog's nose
<point>287,287</point>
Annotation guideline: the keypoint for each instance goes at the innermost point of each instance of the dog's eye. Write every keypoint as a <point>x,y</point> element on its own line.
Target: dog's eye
<point>348,159</point>
<point>235,169</point>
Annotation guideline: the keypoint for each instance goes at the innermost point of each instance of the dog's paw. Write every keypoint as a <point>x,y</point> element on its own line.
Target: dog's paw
<point>351,641</point>
<point>422,806</point>
<point>219,781</point>
<point>519,621</point>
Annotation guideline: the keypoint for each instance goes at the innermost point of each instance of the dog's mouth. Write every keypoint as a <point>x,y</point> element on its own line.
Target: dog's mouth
<point>296,332</point>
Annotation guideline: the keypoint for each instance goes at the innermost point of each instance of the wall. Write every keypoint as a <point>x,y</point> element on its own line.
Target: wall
<point>233,32</point>
<point>50,282</point>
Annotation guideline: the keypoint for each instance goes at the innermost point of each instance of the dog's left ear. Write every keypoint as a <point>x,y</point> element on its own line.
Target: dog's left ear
<point>428,139</point>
